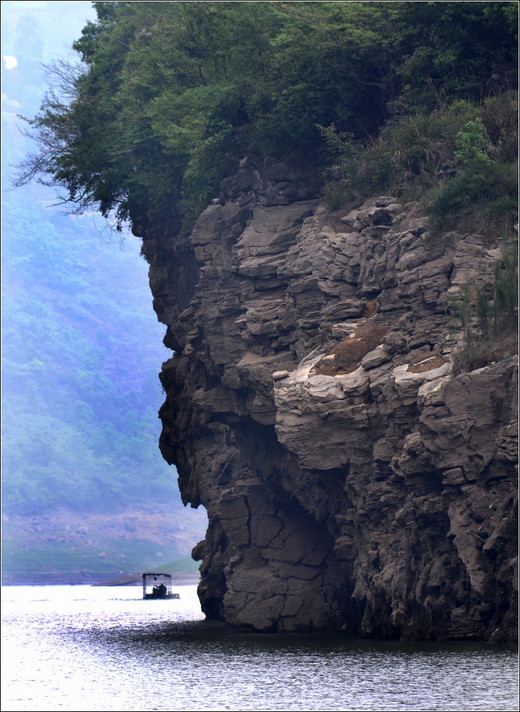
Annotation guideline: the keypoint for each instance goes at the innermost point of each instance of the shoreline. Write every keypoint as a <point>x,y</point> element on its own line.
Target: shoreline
<point>180,579</point>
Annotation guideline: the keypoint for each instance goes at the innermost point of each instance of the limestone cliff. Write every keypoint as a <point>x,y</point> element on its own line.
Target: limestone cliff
<point>353,479</point>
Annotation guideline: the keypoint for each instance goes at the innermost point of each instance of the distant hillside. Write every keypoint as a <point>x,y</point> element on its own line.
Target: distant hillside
<point>67,547</point>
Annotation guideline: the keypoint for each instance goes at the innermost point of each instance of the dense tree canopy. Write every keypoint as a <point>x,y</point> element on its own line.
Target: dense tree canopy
<point>170,95</point>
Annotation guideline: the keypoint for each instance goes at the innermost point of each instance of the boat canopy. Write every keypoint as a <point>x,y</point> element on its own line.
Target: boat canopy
<point>161,585</point>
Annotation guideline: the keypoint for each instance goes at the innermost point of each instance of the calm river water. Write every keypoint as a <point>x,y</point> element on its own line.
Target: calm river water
<point>104,648</point>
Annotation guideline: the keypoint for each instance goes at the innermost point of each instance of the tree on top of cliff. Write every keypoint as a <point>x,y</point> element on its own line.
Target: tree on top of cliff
<point>169,96</point>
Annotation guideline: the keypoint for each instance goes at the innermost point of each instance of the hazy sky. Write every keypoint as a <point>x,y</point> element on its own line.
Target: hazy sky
<point>59,24</point>
<point>34,33</point>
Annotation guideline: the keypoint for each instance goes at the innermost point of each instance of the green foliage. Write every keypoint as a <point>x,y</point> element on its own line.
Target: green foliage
<point>342,178</point>
<point>407,157</point>
<point>482,195</point>
<point>460,155</point>
<point>472,146</point>
<point>171,95</point>
<point>449,50</point>
<point>482,198</point>
<point>483,309</point>
<point>462,313</point>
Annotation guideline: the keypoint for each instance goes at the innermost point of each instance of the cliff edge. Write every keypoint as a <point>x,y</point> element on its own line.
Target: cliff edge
<point>353,477</point>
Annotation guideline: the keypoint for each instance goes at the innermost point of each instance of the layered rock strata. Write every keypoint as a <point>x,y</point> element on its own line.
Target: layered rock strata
<point>352,479</point>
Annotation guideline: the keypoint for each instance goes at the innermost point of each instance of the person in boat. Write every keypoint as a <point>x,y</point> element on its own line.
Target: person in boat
<point>159,591</point>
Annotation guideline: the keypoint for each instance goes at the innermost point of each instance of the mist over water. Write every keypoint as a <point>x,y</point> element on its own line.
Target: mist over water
<point>104,648</point>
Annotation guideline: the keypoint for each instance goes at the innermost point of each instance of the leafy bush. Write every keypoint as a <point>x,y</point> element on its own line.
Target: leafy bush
<point>482,195</point>
<point>412,152</point>
<point>482,198</point>
<point>472,145</point>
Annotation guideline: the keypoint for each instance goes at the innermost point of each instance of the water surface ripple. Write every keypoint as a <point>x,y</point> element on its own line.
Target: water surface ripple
<point>84,648</point>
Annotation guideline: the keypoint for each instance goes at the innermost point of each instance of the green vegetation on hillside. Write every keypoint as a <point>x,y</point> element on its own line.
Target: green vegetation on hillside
<point>486,316</point>
<point>171,95</point>
<point>460,160</point>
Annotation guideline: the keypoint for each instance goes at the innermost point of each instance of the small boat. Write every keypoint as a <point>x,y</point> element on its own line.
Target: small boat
<point>160,584</point>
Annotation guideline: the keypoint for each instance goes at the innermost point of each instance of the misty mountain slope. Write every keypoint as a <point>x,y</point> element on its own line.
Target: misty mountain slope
<point>84,487</point>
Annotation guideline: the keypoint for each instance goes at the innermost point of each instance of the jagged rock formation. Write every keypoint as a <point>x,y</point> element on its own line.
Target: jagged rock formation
<point>352,479</point>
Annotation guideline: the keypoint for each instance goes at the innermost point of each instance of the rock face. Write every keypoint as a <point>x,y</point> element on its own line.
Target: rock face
<point>352,479</point>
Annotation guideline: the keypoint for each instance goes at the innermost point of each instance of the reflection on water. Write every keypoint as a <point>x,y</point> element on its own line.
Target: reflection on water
<point>93,648</point>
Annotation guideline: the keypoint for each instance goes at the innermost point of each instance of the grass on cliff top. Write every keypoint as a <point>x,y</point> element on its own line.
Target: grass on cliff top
<point>459,162</point>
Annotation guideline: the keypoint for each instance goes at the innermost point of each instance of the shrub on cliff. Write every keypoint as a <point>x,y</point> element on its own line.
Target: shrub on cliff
<point>409,156</point>
<point>482,195</point>
<point>460,160</point>
<point>481,199</point>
